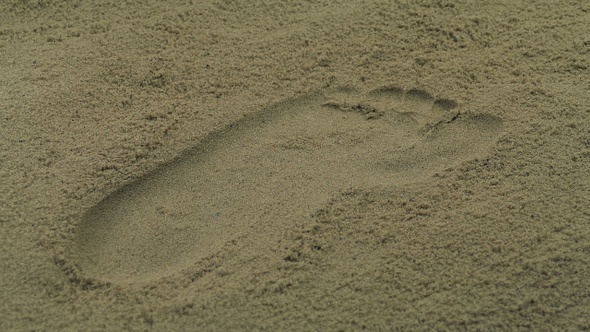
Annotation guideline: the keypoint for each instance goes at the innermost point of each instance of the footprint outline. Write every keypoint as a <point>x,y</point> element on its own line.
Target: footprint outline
<point>103,246</point>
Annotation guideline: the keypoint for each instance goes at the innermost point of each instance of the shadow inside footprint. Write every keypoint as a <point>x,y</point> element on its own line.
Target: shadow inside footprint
<point>279,164</point>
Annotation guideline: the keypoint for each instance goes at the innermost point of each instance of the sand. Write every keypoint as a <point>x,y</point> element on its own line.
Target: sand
<point>267,165</point>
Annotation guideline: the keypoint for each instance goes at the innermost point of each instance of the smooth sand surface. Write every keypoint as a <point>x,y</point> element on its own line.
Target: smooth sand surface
<point>269,165</point>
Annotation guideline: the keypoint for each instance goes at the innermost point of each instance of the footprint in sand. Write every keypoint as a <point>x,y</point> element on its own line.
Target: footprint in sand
<point>270,168</point>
